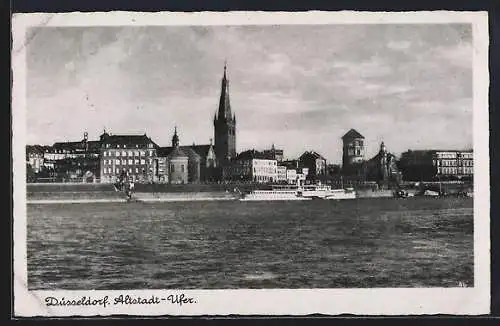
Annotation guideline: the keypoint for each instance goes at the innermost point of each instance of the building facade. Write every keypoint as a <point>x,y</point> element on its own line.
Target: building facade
<point>314,163</point>
<point>253,166</point>
<point>431,165</point>
<point>134,154</point>
<point>281,174</point>
<point>225,126</point>
<point>178,166</point>
<point>291,176</point>
<point>35,157</point>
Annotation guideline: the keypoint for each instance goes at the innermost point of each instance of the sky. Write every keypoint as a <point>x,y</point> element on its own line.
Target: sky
<point>300,87</point>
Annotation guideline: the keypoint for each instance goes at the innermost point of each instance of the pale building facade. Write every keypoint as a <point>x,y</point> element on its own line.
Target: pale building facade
<point>281,174</point>
<point>133,154</point>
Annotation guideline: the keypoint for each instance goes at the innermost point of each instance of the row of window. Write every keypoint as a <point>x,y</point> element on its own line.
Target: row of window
<point>118,170</point>
<point>125,146</point>
<point>455,155</point>
<point>455,170</point>
<point>267,170</point>
<point>261,162</point>
<point>262,178</point>
<point>446,155</point>
<point>356,152</point>
<point>127,153</point>
<point>454,163</point>
<point>125,162</point>
<point>357,143</point>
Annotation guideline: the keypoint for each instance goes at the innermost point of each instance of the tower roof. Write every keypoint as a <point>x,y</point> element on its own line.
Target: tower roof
<point>224,103</point>
<point>352,134</point>
<point>175,138</point>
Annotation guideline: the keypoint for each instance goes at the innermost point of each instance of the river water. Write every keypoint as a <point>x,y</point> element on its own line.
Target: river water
<point>219,245</point>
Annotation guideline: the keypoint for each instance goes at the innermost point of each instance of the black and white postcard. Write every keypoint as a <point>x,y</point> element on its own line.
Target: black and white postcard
<point>251,163</point>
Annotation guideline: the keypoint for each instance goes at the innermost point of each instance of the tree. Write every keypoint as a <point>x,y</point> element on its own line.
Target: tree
<point>30,173</point>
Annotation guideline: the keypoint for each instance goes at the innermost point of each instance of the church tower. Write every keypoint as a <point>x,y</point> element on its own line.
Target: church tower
<point>225,125</point>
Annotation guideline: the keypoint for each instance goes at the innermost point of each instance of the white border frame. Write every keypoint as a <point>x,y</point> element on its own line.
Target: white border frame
<point>401,301</point>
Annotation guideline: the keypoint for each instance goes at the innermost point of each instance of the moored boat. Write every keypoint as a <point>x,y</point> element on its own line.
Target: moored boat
<point>299,192</point>
<point>319,191</point>
<point>276,193</point>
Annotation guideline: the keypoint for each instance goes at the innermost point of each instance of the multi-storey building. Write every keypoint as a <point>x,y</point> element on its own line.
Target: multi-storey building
<point>426,165</point>
<point>291,176</point>
<point>315,163</point>
<point>254,166</point>
<point>35,157</point>
<point>134,154</point>
<point>75,161</point>
<point>79,149</point>
<point>281,174</point>
<point>454,163</point>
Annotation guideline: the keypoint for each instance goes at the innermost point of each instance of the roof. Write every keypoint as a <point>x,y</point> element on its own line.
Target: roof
<point>75,145</point>
<point>433,151</point>
<point>291,164</point>
<point>201,150</point>
<point>128,140</point>
<point>181,151</point>
<point>353,134</point>
<point>311,154</point>
<point>252,154</point>
<point>177,152</point>
<point>36,148</point>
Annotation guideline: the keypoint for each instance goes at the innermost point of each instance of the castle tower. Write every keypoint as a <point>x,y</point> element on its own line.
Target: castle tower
<point>225,125</point>
<point>353,149</point>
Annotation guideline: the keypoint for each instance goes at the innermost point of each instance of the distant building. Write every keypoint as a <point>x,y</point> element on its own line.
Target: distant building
<point>79,149</point>
<point>35,157</point>
<point>333,169</point>
<point>281,174</point>
<point>382,168</point>
<point>225,127</point>
<point>291,176</point>
<point>134,154</point>
<point>182,164</point>
<point>290,164</point>
<point>208,161</point>
<point>80,160</point>
<point>178,163</point>
<point>274,154</point>
<point>353,152</point>
<point>429,165</point>
<point>65,161</point>
<point>315,163</point>
<point>254,166</point>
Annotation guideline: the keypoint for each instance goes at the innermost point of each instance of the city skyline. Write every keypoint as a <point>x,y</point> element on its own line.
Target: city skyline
<point>298,87</point>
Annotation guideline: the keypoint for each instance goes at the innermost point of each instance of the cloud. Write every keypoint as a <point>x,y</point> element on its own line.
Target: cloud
<point>399,46</point>
<point>299,86</point>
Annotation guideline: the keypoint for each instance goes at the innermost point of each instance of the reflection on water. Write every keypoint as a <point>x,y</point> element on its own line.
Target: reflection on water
<point>330,244</point>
